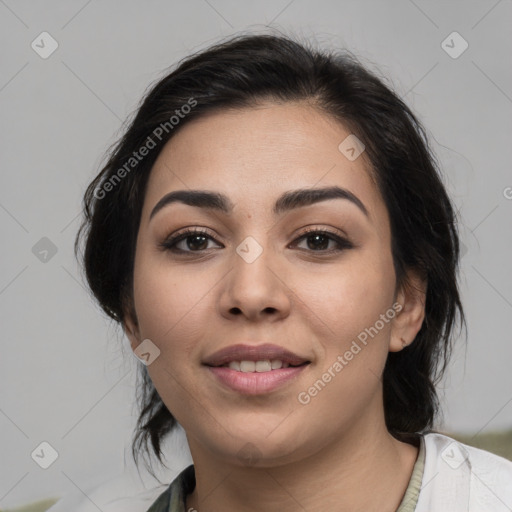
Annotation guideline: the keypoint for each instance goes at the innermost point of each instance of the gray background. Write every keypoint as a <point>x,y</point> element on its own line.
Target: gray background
<point>67,375</point>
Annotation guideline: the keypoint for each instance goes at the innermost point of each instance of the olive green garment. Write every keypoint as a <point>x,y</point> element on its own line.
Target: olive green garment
<point>38,506</point>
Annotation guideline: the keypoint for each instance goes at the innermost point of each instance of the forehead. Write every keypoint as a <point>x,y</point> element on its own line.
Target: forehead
<point>255,154</point>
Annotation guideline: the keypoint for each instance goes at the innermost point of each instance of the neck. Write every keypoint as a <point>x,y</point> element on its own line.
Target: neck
<point>364,469</point>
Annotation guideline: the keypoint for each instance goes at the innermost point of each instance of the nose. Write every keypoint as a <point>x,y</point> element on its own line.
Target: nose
<point>255,288</point>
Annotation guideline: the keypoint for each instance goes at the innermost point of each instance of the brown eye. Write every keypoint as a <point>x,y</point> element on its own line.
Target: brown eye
<point>318,241</point>
<point>194,241</point>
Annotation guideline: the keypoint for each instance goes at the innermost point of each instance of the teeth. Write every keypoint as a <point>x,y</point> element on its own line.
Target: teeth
<point>247,366</point>
<point>257,366</point>
<point>263,366</point>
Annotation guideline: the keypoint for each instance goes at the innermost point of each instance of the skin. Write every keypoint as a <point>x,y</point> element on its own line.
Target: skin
<point>325,455</point>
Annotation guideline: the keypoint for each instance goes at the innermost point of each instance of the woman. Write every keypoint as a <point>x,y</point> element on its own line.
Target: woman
<point>274,237</point>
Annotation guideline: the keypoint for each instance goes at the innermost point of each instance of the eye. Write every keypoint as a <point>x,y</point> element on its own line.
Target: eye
<point>318,240</point>
<point>195,239</point>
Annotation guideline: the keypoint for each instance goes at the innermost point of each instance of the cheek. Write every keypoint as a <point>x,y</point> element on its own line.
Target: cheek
<point>170,303</point>
<point>355,348</point>
<point>171,309</point>
<point>350,302</point>
<point>355,295</point>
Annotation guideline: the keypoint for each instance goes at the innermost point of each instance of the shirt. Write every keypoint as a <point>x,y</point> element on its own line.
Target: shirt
<point>454,478</point>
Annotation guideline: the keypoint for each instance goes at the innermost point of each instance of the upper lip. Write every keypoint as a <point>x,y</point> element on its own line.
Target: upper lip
<point>253,353</point>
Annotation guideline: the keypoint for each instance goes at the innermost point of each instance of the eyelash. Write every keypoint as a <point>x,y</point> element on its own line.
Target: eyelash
<point>169,244</point>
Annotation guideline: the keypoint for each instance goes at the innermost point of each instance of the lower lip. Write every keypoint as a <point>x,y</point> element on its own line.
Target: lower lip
<point>255,383</point>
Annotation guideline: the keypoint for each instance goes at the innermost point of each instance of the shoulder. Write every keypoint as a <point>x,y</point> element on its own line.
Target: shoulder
<point>454,453</point>
<point>459,477</point>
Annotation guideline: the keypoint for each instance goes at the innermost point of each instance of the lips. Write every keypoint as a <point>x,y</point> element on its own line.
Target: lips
<point>255,353</point>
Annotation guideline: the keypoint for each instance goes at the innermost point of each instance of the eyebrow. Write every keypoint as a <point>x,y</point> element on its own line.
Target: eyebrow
<point>288,201</point>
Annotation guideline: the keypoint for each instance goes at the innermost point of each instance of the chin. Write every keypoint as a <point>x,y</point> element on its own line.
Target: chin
<point>257,448</point>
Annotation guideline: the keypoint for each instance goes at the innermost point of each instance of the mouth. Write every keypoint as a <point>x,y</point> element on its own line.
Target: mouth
<point>255,358</point>
<point>255,370</point>
<point>262,366</point>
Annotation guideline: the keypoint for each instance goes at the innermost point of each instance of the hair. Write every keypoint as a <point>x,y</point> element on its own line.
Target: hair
<point>240,73</point>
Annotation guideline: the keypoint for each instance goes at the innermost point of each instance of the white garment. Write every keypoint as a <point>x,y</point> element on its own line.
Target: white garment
<point>456,478</point>
<point>461,478</point>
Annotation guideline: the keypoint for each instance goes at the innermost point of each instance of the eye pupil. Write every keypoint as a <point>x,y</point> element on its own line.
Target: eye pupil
<point>204,240</point>
<point>321,245</point>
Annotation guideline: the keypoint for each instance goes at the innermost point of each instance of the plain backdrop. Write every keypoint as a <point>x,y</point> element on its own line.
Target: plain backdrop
<point>67,375</point>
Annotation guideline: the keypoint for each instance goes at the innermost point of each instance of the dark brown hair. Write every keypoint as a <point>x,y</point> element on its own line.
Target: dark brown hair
<point>239,73</point>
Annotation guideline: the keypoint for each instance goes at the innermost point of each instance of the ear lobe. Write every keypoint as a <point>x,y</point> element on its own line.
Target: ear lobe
<point>408,322</point>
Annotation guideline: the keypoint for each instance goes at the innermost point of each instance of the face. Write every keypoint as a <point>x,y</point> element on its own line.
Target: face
<point>314,278</point>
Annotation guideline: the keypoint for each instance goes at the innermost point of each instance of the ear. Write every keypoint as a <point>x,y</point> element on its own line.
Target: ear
<point>131,328</point>
<point>408,321</point>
